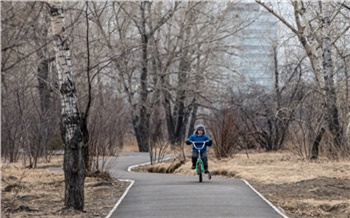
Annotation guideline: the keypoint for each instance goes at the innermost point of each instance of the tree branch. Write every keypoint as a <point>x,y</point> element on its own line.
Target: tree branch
<point>278,16</point>
<point>164,19</point>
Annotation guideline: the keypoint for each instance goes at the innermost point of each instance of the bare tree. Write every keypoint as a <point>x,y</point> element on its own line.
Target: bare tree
<point>134,74</point>
<point>313,29</point>
<point>196,40</point>
<point>225,131</point>
<point>72,135</point>
<point>25,56</point>
<point>142,119</point>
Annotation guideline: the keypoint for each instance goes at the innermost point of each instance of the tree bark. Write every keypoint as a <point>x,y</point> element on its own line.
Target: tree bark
<point>87,148</point>
<point>193,117</point>
<point>179,107</point>
<point>142,124</point>
<point>44,91</point>
<point>331,102</point>
<point>315,145</point>
<point>74,167</point>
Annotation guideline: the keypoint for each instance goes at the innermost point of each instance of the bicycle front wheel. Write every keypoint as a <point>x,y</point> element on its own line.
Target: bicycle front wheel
<point>200,172</point>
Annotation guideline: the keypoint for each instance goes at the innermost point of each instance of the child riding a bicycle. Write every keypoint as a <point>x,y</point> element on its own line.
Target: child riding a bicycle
<point>199,136</point>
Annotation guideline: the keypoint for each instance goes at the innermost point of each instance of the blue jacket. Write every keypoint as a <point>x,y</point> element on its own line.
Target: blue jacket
<point>197,138</point>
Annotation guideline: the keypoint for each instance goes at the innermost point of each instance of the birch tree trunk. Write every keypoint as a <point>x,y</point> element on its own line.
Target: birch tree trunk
<point>331,97</point>
<point>347,97</point>
<point>74,167</point>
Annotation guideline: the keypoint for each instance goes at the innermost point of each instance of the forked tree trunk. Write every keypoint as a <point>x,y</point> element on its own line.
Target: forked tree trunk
<point>74,167</point>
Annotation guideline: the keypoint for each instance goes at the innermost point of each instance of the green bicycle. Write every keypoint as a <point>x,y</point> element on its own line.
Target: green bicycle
<point>200,163</point>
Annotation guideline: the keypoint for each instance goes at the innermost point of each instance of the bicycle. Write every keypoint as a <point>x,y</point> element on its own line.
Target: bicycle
<point>200,163</point>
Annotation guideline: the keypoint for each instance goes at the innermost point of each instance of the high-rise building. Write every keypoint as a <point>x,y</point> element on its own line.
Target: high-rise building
<point>255,42</point>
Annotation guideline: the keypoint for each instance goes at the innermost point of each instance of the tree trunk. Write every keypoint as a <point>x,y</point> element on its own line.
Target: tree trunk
<point>44,91</point>
<point>84,117</point>
<point>142,126</point>
<point>168,116</point>
<point>44,94</point>
<point>193,117</point>
<point>179,107</point>
<point>331,101</point>
<point>142,137</point>
<point>314,150</point>
<point>74,167</point>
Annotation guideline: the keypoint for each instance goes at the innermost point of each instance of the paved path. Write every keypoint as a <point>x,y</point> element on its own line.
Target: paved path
<point>165,195</point>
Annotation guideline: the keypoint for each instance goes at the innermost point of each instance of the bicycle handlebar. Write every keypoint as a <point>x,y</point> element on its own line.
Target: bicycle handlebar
<point>194,145</point>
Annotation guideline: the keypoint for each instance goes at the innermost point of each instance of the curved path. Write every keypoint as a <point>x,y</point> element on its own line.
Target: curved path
<point>166,195</point>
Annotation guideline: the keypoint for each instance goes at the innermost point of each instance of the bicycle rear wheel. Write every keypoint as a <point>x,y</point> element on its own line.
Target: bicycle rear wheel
<point>200,172</point>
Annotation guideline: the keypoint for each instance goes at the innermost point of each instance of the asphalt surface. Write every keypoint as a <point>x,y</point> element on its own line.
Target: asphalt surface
<point>166,195</point>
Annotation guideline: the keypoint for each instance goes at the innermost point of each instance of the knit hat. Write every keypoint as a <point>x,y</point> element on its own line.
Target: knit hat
<point>199,127</point>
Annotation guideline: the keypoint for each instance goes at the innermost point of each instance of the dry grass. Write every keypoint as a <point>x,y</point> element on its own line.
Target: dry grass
<point>40,192</point>
<point>270,168</point>
<point>280,168</point>
<point>130,145</point>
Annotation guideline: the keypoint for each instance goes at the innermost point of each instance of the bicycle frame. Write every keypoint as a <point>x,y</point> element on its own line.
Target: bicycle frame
<point>199,163</point>
<point>199,159</point>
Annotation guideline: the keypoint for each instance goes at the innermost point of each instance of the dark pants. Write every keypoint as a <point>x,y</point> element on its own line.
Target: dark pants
<point>204,159</point>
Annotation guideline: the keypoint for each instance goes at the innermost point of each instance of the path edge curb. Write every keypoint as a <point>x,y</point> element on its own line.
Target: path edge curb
<point>137,165</point>
<point>262,197</point>
<point>127,189</point>
<point>122,197</point>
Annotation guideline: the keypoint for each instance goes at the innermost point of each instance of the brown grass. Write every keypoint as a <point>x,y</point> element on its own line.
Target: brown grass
<point>40,192</point>
<point>280,168</point>
<point>130,145</point>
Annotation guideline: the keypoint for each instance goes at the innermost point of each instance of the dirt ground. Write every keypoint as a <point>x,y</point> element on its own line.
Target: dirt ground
<point>319,197</point>
<point>40,192</point>
<point>298,187</point>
